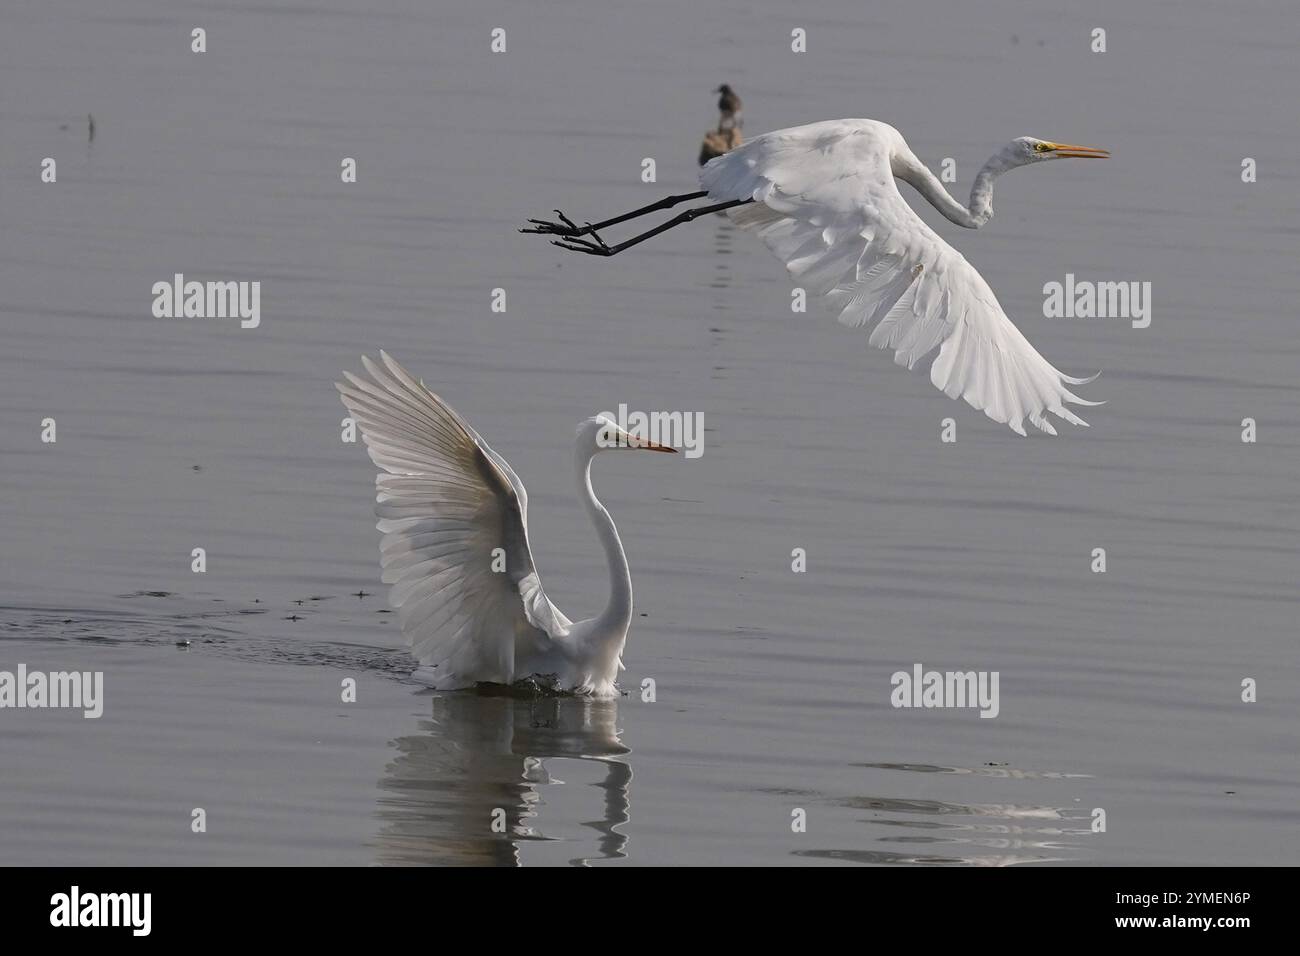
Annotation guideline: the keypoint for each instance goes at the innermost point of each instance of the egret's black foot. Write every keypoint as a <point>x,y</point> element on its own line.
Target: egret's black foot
<point>565,227</point>
<point>595,246</point>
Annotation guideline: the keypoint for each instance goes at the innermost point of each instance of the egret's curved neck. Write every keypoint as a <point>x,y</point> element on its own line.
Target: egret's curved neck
<point>618,612</point>
<point>911,170</point>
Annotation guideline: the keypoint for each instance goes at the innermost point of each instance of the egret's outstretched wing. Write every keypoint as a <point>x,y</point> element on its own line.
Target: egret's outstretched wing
<point>446,502</point>
<point>827,204</point>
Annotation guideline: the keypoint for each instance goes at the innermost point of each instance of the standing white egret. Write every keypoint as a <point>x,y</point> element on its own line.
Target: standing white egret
<point>822,197</point>
<point>455,547</point>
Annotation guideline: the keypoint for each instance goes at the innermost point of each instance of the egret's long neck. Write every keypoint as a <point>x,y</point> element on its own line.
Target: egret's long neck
<point>618,612</point>
<point>911,170</point>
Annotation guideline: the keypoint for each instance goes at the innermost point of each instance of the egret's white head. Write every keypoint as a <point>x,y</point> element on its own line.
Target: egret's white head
<point>1026,149</point>
<point>600,433</point>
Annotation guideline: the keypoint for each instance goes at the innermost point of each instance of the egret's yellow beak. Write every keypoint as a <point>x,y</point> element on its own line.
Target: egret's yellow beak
<point>1083,152</point>
<point>634,442</point>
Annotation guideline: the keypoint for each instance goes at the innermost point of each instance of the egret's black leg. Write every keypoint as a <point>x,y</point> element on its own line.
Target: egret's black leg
<point>595,246</point>
<point>566,228</point>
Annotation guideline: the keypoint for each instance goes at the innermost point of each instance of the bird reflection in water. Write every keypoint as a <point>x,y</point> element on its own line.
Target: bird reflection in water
<point>501,750</point>
<point>723,240</point>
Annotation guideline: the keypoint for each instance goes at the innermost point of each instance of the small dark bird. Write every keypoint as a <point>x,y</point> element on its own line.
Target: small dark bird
<point>727,136</point>
<point>729,106</point>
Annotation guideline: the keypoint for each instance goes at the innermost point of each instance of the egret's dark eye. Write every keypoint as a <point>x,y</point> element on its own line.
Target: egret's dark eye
<point>1041,147</point>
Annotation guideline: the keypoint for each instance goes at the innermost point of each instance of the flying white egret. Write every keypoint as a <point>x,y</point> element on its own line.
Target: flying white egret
<point>822,197</point>
<point>455,546</point>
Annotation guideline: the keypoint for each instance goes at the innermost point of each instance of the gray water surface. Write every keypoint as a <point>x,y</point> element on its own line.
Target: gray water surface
<point>1119,691</point>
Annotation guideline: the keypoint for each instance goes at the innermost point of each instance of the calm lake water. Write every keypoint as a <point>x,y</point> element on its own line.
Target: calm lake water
<point>1119,691</point>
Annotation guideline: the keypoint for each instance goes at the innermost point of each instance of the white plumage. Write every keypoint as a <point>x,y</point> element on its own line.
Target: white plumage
<point>454,517</point>
<point>826,203</point>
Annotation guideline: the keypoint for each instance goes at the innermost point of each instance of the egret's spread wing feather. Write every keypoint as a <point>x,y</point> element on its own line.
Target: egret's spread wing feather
<point>446,502</point>
<point>827,205</point>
